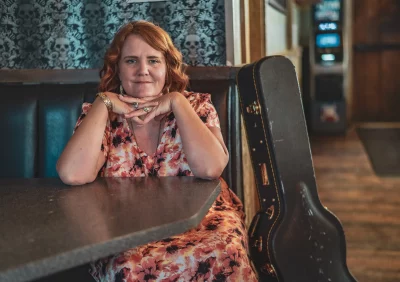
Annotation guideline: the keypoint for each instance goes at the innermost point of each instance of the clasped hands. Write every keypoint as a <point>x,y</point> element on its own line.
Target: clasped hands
<point>142,110</point>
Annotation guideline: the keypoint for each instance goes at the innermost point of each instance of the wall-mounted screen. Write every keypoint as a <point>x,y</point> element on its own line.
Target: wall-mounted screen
<point>327,10</point>
<point>328,57</point>
<point>327,26</point>
<point>327,40</point>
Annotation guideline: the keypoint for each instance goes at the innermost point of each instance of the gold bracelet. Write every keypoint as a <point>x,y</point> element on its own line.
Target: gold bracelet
<point>106,101</point>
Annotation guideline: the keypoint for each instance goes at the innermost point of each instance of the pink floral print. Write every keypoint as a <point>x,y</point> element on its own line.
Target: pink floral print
<point>216,250</point>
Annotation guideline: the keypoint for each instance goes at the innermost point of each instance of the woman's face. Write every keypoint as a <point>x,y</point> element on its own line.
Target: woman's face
<point>142,69</point>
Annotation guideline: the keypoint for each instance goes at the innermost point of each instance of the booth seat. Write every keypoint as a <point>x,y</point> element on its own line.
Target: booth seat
<point>39,109</point>
<point>38,112</point>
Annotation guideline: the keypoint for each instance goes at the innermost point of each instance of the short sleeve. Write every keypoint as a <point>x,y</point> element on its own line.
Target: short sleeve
<point>204,108</point>
<point>105,145</point>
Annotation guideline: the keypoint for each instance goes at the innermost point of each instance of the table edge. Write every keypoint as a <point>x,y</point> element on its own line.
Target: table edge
<point>74,258</point>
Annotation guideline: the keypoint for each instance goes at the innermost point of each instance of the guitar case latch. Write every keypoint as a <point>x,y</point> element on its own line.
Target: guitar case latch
<point>268,269</point>
<point>254,108</point>
<point>270,212</point>
<point>258,244</point>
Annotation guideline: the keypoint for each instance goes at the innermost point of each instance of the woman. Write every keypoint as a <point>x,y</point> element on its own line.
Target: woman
<point>155,127</point>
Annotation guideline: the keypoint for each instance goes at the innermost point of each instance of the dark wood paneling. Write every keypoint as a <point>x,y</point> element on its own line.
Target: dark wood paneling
<point>389,21</point>
<point>390,84</point>
<point>366,98</point>
<point>368,206</point>
<point>49,76</point>
<point>92,75</point>
<point>376,21</point>
<point>376,38</point>
<point>365,18</point>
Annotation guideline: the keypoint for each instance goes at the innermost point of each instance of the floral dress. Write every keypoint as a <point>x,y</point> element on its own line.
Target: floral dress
<point>216,250</point>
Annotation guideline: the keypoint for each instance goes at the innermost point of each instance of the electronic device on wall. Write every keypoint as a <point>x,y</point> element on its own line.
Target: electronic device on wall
<point>328,68</point>
<point>328,31</point>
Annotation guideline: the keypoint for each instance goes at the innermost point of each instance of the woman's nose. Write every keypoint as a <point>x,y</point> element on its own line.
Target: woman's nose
<point>143,68</point>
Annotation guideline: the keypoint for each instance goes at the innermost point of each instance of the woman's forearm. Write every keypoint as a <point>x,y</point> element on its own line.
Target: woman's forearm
<point>81,159</point>
<point>204,148</point>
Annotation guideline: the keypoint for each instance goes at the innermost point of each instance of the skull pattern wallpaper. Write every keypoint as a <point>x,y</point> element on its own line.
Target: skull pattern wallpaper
<point>74,34</point>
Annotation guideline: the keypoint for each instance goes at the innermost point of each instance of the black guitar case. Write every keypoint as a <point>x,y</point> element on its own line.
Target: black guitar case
<point>293,238</point>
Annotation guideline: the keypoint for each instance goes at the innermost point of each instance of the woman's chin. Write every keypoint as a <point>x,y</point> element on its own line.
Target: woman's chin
<point>142,94</point>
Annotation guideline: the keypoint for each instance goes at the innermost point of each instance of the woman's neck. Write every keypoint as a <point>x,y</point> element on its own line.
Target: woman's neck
<point>148,127</point>
<point>147,136</point>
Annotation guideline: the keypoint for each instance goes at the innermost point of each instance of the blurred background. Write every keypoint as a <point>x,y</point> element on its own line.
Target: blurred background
<point>347,57</point>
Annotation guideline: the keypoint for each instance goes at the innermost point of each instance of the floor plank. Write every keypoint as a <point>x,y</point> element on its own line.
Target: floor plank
<point>367,205</point>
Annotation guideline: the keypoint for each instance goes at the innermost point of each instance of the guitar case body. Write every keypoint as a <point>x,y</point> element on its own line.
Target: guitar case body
<point>292,238</point>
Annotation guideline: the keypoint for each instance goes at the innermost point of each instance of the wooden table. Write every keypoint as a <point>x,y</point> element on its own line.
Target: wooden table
<point>46,226</point>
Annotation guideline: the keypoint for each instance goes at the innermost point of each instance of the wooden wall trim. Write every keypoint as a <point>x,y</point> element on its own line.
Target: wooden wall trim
<point>49,76</point>
<point>32,76</point>
<point>212,73</point>
<point>245,31</point>
<point>257,30</point>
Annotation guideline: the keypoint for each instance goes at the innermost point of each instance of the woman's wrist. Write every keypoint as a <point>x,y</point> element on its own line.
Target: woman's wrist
<point>98,104</point>
<point>106,100</point>
<point>176,100</point>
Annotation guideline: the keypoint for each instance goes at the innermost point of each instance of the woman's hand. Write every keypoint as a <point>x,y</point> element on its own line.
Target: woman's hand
<point>125,106</point>
<point>156,108</point>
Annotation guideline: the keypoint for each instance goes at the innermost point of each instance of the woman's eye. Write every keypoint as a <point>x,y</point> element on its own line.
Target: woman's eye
<point>154,61</point>
<point>131,61</point>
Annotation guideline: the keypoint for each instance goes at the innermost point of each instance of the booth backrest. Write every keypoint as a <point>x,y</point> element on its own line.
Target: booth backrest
<point>37,121</point>
<point>38,114</point>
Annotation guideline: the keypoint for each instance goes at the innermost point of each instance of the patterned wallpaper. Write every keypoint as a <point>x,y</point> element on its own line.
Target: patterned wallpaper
<point>74,34</point>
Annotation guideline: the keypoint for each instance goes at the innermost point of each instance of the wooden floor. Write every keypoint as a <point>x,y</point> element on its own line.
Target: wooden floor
<point>368,206</point>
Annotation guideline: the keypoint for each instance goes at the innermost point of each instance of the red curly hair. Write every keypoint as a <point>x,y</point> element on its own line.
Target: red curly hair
<point>156,37</point>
